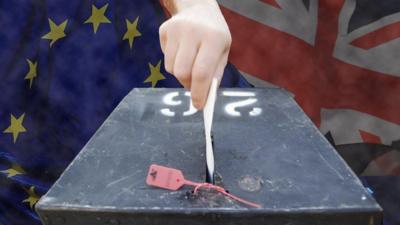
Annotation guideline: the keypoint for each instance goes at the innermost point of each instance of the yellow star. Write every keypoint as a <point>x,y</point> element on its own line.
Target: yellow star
<point>56,31</point>
<point>16,126</point>
<point>98,17</point>
<point>33,197</point>
<point>155,74</point>
<point>32,73</point>
<point>14,171</point>
<point>131,31</point>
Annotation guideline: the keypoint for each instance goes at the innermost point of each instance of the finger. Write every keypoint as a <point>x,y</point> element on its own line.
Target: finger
<point>203,71</point>
<point>184,61</point>
<point>163,36</point>
<point>170,53</point>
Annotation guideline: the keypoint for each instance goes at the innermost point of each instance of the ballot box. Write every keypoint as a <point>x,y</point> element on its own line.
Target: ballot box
<point>266,151</point>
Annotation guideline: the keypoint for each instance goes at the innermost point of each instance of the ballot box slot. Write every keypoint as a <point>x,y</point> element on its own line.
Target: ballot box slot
<point>210,178</point>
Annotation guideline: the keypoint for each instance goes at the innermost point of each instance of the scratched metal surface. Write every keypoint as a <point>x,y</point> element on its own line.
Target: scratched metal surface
<point>270,154</point>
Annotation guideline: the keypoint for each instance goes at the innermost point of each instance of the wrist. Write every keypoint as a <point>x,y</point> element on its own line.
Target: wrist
<point>175,6</point>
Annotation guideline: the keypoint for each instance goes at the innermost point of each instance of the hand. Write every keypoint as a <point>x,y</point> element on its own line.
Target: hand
<point>195,42</point>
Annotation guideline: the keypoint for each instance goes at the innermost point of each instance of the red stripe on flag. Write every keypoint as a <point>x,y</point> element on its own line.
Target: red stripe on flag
<point>378,37</point>
<point>271,2</point>
<point>370,138</point>
<point>317,79</point>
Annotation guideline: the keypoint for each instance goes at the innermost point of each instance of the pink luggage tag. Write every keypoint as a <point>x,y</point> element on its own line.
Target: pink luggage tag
<point>173,179</point>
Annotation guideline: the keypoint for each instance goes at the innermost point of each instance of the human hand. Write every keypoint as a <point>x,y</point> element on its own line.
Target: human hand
<point>195,42</point>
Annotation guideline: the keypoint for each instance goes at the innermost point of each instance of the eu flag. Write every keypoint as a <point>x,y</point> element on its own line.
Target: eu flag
<point>64,66</point>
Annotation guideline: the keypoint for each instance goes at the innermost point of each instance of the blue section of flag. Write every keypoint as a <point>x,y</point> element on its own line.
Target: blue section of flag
<point>368,11</point>
<point>386,192</point>
<point>80,79</point>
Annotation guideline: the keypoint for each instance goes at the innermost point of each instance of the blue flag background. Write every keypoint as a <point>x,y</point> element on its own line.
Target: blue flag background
<point>59,81</point>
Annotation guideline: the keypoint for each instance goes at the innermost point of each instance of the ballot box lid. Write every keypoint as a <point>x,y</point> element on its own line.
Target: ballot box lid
<point>266,151</point>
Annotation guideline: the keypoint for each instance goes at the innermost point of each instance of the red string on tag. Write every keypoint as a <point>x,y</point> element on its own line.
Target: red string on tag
<point>173,179</point>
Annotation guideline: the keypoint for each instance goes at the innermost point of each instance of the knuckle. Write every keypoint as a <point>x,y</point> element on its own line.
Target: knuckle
<point>201,71</point>
<point>201,75</point>
<point>222,39</point>
<point>179,26</point>
<point>182,75</point>
<point>162,30</point>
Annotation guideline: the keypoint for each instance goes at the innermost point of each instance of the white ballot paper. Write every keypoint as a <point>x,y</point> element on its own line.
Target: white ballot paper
<point>208,113</point>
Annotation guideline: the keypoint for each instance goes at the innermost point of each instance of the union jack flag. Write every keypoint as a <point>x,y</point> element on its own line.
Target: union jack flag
<point>340,59</point>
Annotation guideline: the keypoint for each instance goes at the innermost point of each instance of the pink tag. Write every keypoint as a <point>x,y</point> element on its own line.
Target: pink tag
<point>164,177</point>
<point>172,179</point>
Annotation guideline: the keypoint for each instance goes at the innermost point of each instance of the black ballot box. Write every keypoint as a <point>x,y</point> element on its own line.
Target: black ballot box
<point>266,151</point>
